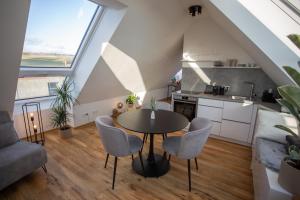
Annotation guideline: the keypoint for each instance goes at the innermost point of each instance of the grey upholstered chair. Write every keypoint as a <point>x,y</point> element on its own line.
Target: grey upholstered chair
<point>190,144</point>
<point>160,105</point>
<point>117,142</point>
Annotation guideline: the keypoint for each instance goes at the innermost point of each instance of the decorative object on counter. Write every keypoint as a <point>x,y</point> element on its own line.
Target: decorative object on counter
<point>131,100</point>
<point>153,107</point>
<point>195,10</point>
<point>216,89</point>
<point>218,63</point>
<point>289,175</point>
<point>268,96</point>
<point>33,125</point>
<point>61,105</point>
<point>242,65</point>
<point>295,38</point>
<point>232,62</point>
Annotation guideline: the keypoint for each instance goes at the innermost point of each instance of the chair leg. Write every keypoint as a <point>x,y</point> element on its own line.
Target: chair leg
<point>169,157</point>
<point>189,173</point>
<point>196,163</point>
<point>45,169</point>
<point>114,175</point>
<point>132,157</point>
<point>107,155</point>
<point>141,159</point>
<point>146,137</point>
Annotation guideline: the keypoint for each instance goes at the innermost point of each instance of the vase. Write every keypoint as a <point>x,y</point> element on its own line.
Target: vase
<point>289,178</point>
<point>152,114</point>
<point>66,133</point>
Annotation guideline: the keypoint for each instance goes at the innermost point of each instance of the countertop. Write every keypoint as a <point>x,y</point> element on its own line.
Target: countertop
<point>263,105</point>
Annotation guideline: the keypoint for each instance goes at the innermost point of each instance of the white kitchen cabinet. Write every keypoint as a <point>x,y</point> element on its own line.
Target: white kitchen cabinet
<point>212,113</point>
<point>210,102</point>
<point>235,130</point>
<point>216,129</point>
<point>240,112</point>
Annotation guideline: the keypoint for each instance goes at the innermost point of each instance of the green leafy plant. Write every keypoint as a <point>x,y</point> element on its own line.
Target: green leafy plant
<point>290,98</point>
<point>62,103</point>
<point>153,103</point>
<point>293,159</point>
<point>295,38</point>
<point>131,99</point>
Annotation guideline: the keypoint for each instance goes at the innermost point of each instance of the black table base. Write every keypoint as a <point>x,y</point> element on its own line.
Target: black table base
<point>151,169</point>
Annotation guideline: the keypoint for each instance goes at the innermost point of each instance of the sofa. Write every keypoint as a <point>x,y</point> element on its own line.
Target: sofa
<point>269,148</point>
<point>17,158</point>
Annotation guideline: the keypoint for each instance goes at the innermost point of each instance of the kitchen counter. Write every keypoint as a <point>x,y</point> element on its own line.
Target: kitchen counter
<point>263,105</point>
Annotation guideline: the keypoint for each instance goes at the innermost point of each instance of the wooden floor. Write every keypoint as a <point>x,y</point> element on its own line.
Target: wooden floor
<point>75,171</point>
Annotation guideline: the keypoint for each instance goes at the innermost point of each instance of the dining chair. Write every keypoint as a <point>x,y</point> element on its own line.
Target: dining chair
<point>160,105</point>
<point>190,144</point>
<point>117,142</point>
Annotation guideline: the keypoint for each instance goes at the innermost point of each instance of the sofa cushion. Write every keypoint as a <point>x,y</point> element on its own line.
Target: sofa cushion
<point>270,153</point>
<point>19,160</point>
<point>8,135</point>
<point>266,121</point>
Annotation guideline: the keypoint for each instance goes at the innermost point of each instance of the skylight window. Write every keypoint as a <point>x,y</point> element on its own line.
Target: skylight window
<point>55,31</point>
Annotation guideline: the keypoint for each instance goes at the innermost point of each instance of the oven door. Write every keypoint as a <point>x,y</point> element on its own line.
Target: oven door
<point>186,108</point>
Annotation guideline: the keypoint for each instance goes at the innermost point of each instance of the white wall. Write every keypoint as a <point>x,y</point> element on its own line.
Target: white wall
<point>85,113</point>
<point>259,41</point>
<point>13,20</point>
<point>280,23</point>
<point>206,40</point>
<point>143,53</point>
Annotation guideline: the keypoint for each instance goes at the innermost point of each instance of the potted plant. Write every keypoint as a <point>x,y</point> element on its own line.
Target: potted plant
<point>289,174</point>
<point>291,100</point>
<point>60,107</point>
<point>131,100</point>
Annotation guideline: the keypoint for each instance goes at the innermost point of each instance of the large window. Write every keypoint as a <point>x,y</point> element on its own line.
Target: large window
<point>55,30</point>
<point>56,35</point>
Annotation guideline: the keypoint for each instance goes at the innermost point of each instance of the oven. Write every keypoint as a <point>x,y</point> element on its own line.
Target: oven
<point>186,105</point>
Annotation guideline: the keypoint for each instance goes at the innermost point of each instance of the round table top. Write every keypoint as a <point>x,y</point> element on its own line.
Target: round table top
<point>164,122</point>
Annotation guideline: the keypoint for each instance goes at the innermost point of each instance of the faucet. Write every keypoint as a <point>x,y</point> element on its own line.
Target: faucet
<point>252,94</point>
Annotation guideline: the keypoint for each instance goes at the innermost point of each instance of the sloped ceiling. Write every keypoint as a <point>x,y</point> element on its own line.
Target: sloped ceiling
<point>262,55</point>
<point>13,20</point>
<point>144,52</point>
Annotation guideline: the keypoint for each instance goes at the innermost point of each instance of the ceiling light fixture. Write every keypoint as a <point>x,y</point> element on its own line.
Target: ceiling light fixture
<point>195,10</point>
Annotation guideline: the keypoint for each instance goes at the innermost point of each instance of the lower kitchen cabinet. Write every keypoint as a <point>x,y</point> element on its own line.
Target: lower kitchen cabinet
<point>235,130</point>
<point>216,129</point>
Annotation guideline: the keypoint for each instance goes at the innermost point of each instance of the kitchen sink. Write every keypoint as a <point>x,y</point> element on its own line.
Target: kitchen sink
<point>241,98</point>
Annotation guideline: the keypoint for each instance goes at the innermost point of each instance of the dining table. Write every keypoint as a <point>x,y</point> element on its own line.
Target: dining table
<point>155,165</point>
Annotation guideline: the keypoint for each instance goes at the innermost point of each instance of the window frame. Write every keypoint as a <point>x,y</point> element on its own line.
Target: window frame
<point>28,71</point>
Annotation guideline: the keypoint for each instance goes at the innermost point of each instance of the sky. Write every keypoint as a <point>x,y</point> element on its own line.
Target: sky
<point>57,26</point>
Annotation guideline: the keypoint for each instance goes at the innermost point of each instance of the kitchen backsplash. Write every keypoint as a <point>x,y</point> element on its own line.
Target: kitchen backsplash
<point>195,80</point>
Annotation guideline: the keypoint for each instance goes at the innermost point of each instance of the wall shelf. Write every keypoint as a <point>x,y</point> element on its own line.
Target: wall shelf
<point>230,67</point>
<point>217,67</point>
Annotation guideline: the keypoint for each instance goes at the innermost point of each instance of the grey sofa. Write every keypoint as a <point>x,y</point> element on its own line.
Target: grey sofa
<point>17,158</point>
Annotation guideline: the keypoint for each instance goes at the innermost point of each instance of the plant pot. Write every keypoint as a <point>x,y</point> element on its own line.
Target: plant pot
<point>66,132</point>
<point>289,178</point>
<point>130,106</point>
